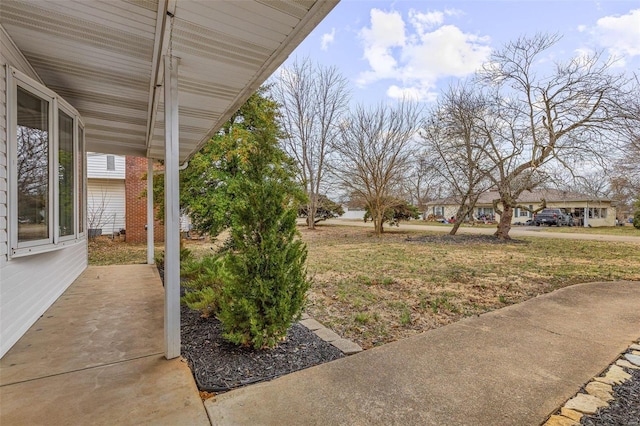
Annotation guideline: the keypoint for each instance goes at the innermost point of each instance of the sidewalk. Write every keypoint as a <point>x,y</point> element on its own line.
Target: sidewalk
<point>96,358</point>
<point>514,366</point>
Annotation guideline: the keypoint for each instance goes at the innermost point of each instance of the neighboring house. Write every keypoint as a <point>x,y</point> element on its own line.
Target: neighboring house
<point>106,193</point>
<point>599,211</point>
<point>353,213</point>
<point>353,209</point>
<point>149,79</point>
<point>115,201</point>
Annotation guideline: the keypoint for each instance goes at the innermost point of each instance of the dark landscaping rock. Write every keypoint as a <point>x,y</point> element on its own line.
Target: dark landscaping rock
<point>625,407</point>
<point>219,366</point>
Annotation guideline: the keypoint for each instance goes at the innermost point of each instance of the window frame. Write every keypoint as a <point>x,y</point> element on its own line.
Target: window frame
<point>69,111</point>
<point>16,79</point>
<point>81,181</point>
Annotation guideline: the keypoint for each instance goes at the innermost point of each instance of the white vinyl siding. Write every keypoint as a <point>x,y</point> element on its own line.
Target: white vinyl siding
<point>29,284</point>
<point>106,200</point>
<point>3,153</point>
<point>97,166</point>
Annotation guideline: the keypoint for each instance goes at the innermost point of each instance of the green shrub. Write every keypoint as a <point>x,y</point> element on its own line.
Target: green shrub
<point>267,281</point>
<point>256,285</point>
<point>266,285</point>
<point>203,281</point>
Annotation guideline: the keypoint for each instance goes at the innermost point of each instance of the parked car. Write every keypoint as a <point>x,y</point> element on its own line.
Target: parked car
<point>551,217</point>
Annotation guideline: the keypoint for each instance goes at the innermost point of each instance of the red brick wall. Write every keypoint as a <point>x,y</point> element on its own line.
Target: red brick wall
<point>136,204</point>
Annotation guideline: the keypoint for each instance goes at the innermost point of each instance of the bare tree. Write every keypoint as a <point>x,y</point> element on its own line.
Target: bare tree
<point>422,184</point>
<point>373,154</point>
<point>312,98</point>
<point>540,113</point>
<point>457,149</point>
<point>98,213</point>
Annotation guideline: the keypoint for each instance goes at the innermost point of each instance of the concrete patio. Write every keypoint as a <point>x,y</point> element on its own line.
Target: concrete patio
<point>95,357</point>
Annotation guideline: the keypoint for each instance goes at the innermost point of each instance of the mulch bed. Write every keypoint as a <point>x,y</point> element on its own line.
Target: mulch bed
<point>219,366</point>
<point>624,409</point>
<point>463,239</point>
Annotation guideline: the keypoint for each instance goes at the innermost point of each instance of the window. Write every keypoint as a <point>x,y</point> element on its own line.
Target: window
<point>111,162</point>
<point>33,158</point>
<point>488,211</point>
<point>46,195</point>
<point>81,157</point>
<point>597,213</point>
<point>66,173</point>
<point>438,210</point>
<point>524,213</point>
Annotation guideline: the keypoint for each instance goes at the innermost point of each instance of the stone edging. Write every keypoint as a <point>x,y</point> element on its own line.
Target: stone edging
<point>598,391</point>
<point>346,346</point>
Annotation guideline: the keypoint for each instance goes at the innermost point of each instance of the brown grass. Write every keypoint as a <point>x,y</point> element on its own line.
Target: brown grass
<point>376,290</point>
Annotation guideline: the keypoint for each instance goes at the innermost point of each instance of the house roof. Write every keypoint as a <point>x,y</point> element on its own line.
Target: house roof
<point>527,197</point>
<point>105,59</point>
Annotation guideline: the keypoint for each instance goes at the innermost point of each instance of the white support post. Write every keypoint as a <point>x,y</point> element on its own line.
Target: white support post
<point>171,211</point>
<point>150,235</point>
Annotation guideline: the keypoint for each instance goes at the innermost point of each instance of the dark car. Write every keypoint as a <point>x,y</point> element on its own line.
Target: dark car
<point>553,217</point>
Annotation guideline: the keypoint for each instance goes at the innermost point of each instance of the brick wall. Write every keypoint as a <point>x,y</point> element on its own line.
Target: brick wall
<point>136,204</point>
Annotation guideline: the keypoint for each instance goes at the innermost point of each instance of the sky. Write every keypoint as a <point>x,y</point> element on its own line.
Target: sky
<point>416,48</point>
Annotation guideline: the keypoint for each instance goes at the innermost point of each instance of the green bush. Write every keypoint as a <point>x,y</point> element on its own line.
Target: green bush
<point>203,281</point>
<point>636,219</point>
<point>267,283</point>
<point>243,181</point>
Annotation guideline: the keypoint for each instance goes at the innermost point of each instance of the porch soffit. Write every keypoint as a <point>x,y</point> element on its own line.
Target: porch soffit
<point>103,58</point>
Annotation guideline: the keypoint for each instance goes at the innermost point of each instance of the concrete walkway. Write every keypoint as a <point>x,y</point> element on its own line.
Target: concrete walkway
<point>516,231</point>
<point>96,358</point>
<point>514,366</point>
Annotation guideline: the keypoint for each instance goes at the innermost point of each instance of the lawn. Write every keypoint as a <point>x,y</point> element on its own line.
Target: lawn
<point>105,251</point>
<point>376,290</point>
<point>626,230</point>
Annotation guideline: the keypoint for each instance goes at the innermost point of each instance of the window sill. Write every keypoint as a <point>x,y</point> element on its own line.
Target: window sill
<point>28,251</point>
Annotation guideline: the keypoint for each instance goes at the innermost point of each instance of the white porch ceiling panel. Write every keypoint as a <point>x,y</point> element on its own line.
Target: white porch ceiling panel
<point>105,58</point>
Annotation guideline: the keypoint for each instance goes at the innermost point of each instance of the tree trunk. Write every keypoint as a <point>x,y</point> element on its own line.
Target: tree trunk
<point>504,226</point>
<point>456,225</point>
<point>311,215</point>
<point>460,215</point>
<point>379,218</point>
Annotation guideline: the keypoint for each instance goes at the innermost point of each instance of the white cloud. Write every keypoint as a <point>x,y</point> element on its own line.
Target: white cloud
<point>327,39</point>
<point>620,34</point>
<point>386,32</point>
<point>423,22</point>
<point>414,93</point>
<point>419,54</point>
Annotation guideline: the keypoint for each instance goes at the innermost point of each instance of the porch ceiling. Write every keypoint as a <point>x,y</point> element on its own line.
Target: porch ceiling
<point>104,57</point>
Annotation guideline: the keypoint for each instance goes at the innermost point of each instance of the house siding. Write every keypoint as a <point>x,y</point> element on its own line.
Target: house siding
<point>29,284</point>
<point>97,166</point>
<point>3,153</point>
<point>106,205</point>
